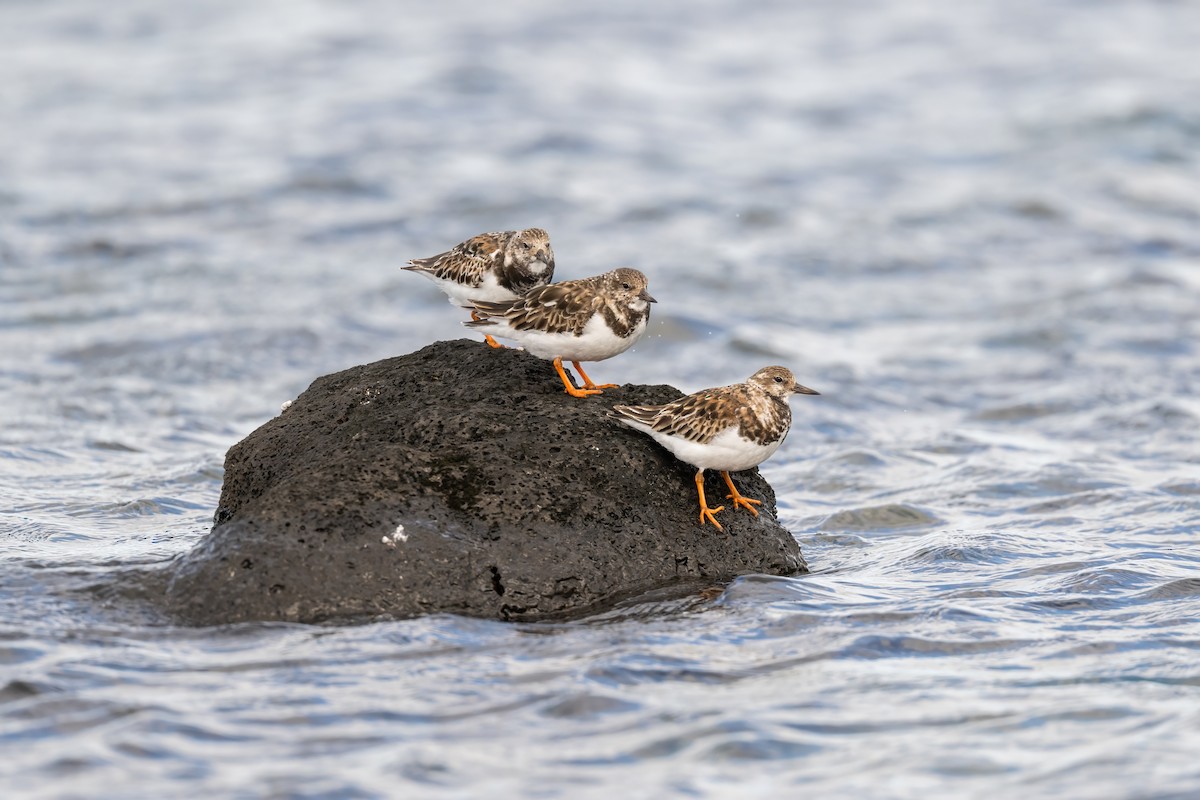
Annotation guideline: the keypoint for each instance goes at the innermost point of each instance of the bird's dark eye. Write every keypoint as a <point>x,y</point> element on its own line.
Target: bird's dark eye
<point>626,286</point>
<point>526,245</point>
<point>778,379</point>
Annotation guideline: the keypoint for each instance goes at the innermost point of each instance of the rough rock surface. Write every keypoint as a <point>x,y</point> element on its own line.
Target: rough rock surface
<point>461,479</point>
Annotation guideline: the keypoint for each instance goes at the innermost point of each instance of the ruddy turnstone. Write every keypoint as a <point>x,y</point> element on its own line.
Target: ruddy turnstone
<point>728,428</point>
<point>589,319</point>
<point>496,267</point>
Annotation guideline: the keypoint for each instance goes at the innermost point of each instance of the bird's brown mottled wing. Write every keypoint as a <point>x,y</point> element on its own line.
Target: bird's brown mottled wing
<point>464,263</point>
<point>697,418</point>
<point>558,308</point>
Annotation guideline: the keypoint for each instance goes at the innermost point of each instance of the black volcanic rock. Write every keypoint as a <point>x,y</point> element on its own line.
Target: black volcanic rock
<point>460,479</point>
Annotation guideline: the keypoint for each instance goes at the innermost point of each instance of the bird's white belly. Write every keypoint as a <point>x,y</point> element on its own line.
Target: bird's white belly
<point>726,451</point>
<point>489,290</point>
<point>596,343</point>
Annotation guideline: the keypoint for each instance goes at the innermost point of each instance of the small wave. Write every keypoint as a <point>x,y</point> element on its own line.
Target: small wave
<point>1173,590</point>
<point>587,705</point>
<point>963,548</point>
<point>662,671</point>
<point>872,647</point>
<point>892,516</point>
<point>1021,412</point>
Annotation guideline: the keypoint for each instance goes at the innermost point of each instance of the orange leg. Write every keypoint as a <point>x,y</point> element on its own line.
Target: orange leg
<point>491,342</point>
<point>587,382</point>
<point>571,390</point>
<point>706,513</point>
<point>737,498</point>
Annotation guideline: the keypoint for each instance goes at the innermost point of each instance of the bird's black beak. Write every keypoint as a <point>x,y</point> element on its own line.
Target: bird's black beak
<point>644,295</point>
<point>543,257</point>
<point>798,389</point>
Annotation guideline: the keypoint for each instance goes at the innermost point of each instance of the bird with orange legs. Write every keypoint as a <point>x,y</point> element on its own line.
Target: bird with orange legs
<point>727,428</point>
<point>590,319</point>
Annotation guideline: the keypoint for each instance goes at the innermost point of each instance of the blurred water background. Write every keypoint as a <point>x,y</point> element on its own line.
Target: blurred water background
<point>974,227</point>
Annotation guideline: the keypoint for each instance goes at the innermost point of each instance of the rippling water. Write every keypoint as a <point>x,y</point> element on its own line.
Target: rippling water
<point>975,228</point>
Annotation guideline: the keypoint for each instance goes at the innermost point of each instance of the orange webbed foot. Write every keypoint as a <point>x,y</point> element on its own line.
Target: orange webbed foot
<point>739,501</point>
<point>706,513</point>
<point>744,502</point>
<point>571,390</point>
<point>587,382</point>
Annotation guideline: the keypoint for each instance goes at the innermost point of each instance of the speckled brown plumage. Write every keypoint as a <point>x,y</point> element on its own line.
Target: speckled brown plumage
<point>506,254</point>
<point>567,307</point>
<point>589,319</point>
<point>762,415</point>
<point>728,428</point>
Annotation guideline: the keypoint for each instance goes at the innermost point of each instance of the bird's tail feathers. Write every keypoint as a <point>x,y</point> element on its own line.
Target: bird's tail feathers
<point>643,415</point>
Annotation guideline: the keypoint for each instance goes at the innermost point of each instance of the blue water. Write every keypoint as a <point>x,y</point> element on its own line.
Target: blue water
<point>975,228</point>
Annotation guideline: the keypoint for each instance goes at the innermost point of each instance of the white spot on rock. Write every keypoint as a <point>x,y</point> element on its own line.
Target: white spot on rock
<point>397,536</point>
